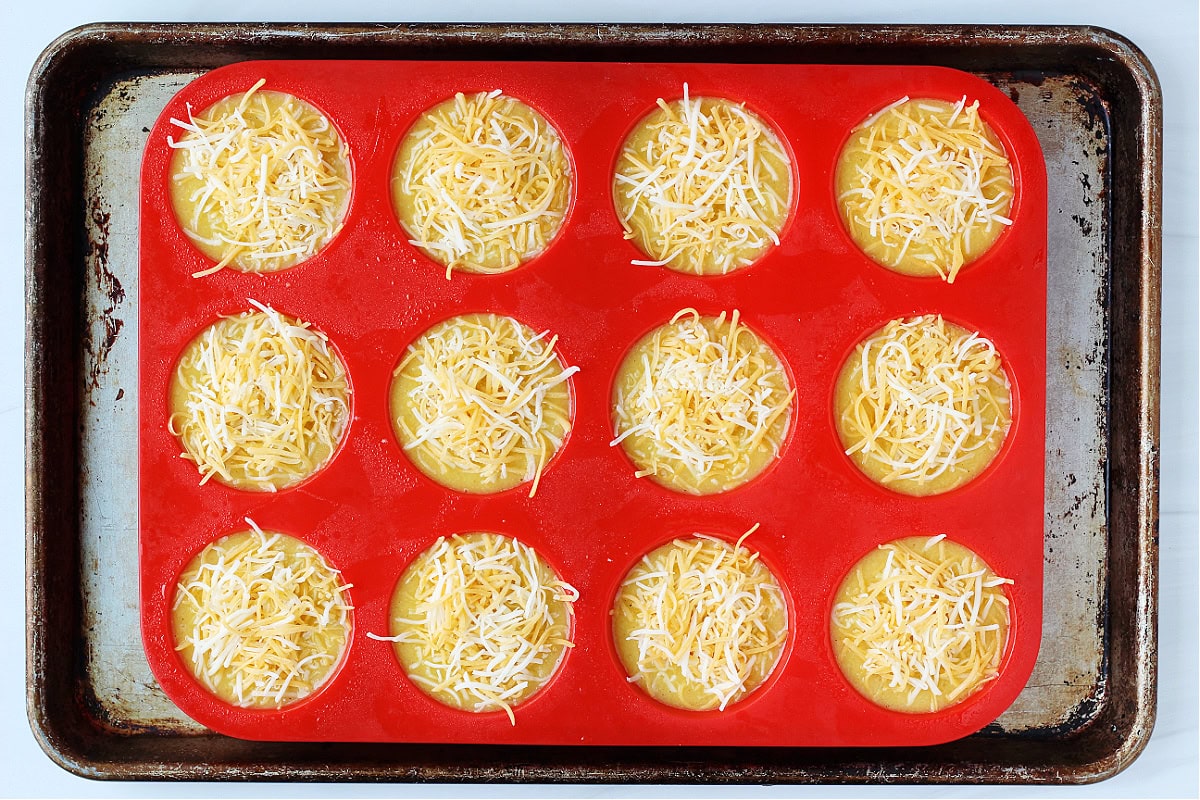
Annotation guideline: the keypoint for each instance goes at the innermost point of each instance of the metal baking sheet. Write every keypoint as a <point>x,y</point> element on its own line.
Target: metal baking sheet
<point>1086,711</point>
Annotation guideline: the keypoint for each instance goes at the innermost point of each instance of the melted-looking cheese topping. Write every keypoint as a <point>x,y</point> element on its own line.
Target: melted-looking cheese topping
<point>924,186</point>
<point>260,618</point>
<point>920,624</point>
<point>481,403</point>
<point>701,404</point>
<point>481,622</point>
<point>699,623</point>
<point>923,405</point>
<point>259,401</point>
<point>481,183</point>
<point>702,186</point>
<point>260,181</point>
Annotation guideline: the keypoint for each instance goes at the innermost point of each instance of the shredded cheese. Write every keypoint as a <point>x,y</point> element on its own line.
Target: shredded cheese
<point>259,401</point>
<point>924,186</point>
<point>482,183</point>
<point>700,622</point>
<point>260,618</point>
<point>923,405</point>
<point>480,622</point>
<point>701,404</point>
<point>481,403</point>
<point>702,186</point>
<point>261,181</point>
<point>920,624</point>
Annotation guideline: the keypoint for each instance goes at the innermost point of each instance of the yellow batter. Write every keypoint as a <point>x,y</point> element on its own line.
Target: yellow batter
<point>259,401</point>
<point>699,623</point>
<point>260,181</point>
<point>904,647</point>
<point>924,187</point>
<point>481,183</point>
<point>480,622</point>
<point>947,424</point>
<point>701,405</point>
<point>481,403</point>
<point>703,186</point>
<point>260,619</point>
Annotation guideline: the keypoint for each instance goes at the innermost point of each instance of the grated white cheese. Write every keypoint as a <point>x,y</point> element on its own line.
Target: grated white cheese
<point>480,622</point>
<point>260,181</point>
<point>700,622</point>
<point>702,186</point>
<point>259,401</point>
<point>701,404</point>
<point>481,183</point>
<point>920,624</point>
<point>260,618</point>
<point>481,403</point>
<point>924,186</point>
<point>923,405</point>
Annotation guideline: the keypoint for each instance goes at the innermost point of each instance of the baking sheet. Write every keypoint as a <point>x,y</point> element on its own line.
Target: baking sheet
<point>1097,659</point>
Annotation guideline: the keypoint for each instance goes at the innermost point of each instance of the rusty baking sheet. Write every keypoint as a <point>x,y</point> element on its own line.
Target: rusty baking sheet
<point>1089,706</point>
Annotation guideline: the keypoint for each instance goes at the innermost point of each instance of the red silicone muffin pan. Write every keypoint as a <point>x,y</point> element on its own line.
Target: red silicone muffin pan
<point>814,297</point>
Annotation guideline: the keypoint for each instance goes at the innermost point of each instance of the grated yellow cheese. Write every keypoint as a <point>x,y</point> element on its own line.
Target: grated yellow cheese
<point>481,403</point>
<point>260,618</point>
<point>924,186</point>
<point>700,622</point>
<point>702,186</point>
<point>259,401</point>
<point>923,405</point>
<point>480,622</point>
<point>260,181</point>
<point>701,404</point>
<point>920,624</point>
<point>481,183</point>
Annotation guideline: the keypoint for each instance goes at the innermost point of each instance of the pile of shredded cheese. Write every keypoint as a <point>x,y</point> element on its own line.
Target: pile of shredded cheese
<point>263,181</point>
<point>701,398</point>
<point>925,395</point>
<point>480,391</point>
<point>482,183</point>
<point>480,622</point>
<point>703,186</point>
<point>259,401</point>
<point>707,620</point>
<point>929,624</point>
<point>260,618</point>
<point>919,179</point>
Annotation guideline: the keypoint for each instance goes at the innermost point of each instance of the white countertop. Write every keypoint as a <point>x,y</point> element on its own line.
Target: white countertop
<point>1166,31</point>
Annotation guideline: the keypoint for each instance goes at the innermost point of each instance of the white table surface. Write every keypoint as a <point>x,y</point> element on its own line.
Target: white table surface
<point>1166,30</point>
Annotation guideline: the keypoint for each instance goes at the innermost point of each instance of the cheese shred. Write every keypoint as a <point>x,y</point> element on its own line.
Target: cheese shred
<point>923,405</point>
<point>700,622</point>
<point>259,401</point>
<point>921,624</point>
<point>482,183</point>
<point>480,622</point>
<point>481,403</point>
<point>702,186</point>
<point>261,181</point>
<point>260,618</point>
<point>924,186</point>
<point>701,404</point>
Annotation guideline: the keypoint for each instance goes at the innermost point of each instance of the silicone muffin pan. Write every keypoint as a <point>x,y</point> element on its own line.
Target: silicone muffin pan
<point>370,512</point>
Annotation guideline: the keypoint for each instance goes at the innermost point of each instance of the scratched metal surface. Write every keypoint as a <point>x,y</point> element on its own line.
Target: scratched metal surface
<point>1067,685</point>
